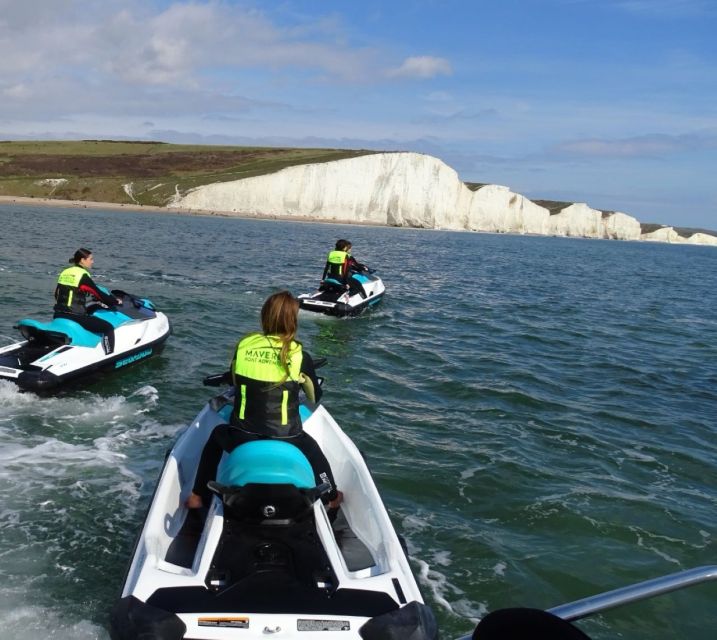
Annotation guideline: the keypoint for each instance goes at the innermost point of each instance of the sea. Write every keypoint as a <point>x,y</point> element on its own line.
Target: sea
<point>539,413</point>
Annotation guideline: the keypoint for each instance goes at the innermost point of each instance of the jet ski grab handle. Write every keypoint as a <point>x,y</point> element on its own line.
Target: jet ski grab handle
<point>223,379</point>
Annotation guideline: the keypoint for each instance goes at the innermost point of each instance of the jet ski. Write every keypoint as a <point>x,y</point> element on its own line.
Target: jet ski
<point>61,350</point>
<point>265,557</point>
<point>333,299</point>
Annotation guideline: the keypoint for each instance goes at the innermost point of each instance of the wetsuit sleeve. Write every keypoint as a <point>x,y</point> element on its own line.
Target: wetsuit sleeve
<point>309,371</point>
<point>326,270</point>
<point>355,265</point>
<point>88,286</point>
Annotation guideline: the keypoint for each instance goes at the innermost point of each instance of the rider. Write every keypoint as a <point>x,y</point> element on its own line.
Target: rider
<point>341,267</point>
<point>268,369</point>
<point>73,285</point>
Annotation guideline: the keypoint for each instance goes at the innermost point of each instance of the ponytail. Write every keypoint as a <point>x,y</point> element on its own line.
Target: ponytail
<point>279,317</point>
<point>79,255</point>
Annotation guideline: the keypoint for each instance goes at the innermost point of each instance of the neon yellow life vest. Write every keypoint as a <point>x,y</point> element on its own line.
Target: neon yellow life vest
<point>67,291</point>
<point>336,260</point>
<point>267,396</point>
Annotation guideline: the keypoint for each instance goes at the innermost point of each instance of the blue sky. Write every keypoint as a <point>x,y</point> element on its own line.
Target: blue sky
<point>609,102</point>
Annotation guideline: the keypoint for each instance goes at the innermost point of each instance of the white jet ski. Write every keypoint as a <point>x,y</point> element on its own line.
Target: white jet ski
<point>333,299</point>
<point>58,351</point>
<point>264,559</point>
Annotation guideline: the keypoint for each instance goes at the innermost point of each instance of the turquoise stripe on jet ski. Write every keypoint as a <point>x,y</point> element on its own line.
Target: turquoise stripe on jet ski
<point>226,412</point>
<point>266,462</point>
<point>304,412</point>
<point>115,318</point>
<point>78,336</point>
<point>360,278</point>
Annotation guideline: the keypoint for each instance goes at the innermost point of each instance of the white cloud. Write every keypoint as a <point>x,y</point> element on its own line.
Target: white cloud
<point>653,145</point>
<point>657,8</point>
<point>439,96</point>
<point>134,43</point>
<point>17,91</point>
<point>64,60</point>
<point>668,8</point>
<point>422,67</point>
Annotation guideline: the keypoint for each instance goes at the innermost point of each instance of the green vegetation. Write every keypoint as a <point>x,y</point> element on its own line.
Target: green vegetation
<point>152,173</point>
<point>686,232</point>
<point>98,170</point>
<point>554,206</point>
<point>649,227</point>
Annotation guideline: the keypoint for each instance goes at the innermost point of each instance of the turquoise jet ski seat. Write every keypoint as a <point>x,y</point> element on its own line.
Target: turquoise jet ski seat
<point>67,331</point>
<point>266,462</point>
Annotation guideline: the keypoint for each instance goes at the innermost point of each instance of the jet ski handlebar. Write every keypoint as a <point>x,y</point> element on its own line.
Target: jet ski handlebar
<point>222,379</point>
<point>218,379</point>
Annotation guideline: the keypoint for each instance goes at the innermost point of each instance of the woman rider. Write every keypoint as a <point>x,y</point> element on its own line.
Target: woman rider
<point>73,285</point>
<point>341,266</point>
<point>268,369</point>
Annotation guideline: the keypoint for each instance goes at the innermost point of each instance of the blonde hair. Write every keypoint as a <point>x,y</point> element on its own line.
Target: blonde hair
<point>280,318</point>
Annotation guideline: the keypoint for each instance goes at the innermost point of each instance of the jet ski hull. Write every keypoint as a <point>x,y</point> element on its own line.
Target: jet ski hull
<point>332,301</point>
<point>210,576</point>
<point>60,352</point>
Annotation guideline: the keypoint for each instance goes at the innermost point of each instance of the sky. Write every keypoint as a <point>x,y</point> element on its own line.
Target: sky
<point>608,102</point>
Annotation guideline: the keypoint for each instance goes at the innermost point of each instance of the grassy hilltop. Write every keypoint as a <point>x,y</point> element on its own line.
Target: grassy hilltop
<point>97,170</point>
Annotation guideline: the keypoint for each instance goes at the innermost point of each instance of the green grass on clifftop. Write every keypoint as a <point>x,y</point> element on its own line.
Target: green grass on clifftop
<point>98,170</point>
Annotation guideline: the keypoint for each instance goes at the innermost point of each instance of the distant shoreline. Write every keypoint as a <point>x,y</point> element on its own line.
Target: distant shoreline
<point>114,206</point>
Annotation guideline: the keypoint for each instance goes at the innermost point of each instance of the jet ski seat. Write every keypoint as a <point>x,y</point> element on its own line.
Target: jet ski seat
<point>331,283</point>
<point>268,482</point>
<point>59,331</point>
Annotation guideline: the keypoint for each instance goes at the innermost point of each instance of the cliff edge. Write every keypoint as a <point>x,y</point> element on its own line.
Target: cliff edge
<point>411,190</point>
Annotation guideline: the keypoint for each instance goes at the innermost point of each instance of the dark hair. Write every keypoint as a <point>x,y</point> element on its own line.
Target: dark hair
<point>80,254</point>
<point>342,245</point>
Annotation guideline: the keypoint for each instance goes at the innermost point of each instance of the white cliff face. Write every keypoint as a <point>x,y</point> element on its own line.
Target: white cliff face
<point>582,221</point>
<point>402,189</point>
<point>576,220</point>
<point>702,238</point>
<point>496,208</point>
<point>621,226</point>
<point>666,234</point>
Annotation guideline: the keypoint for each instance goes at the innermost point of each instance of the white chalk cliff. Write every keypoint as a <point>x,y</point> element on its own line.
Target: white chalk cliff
<point>408,190</point>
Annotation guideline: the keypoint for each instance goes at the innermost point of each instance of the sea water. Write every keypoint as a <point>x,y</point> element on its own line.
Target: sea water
<point>539,413</point>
